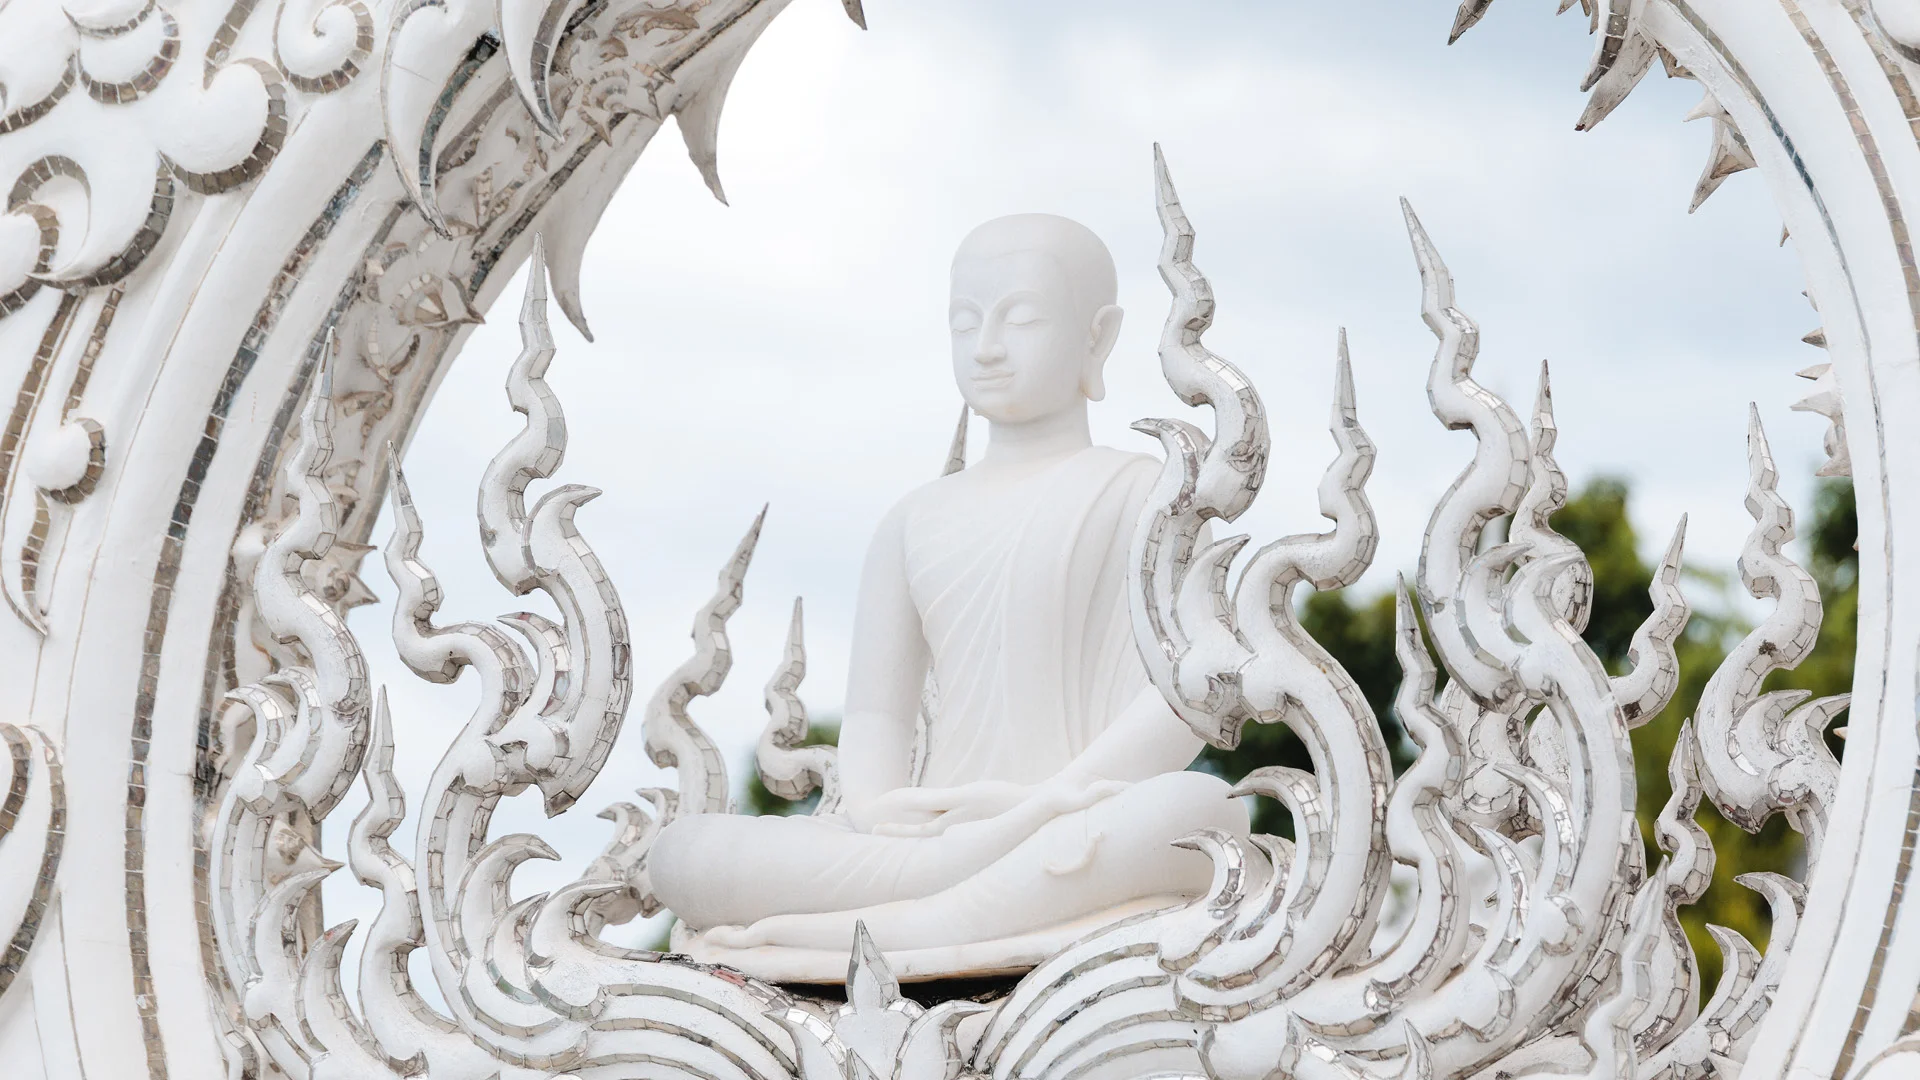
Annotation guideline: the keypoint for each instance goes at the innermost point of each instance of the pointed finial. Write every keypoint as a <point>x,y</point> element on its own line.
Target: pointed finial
<point>379,760</point>
<point>1343,400</point>
<point>1162,180</point>
<point>699,120</point>
<point>871,984</point>
<point>856,11</point>
<point>957,449</point>
<point>1676,545</point>
<point>328,351</point>
<point>734,574</point>
<point>1436,284</point>
<point>1469,13</point>
<point>537,269</point>
<point>1762,474</point>
<point>1418,1064</point>
<point>1404,620</point>
<point>536,332</point>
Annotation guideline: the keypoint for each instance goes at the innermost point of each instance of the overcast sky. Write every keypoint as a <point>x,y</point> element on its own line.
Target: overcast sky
<point>791,348</point>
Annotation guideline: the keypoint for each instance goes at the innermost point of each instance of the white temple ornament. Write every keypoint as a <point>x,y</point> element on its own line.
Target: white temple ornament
<point>387,160</point>
<point>1270,966</point>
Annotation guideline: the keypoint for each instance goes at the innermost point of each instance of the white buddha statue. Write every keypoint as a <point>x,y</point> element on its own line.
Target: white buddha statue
<point>1054,777</point>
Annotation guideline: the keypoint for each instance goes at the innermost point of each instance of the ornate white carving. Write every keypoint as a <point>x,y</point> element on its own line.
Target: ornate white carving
<point>378,210</point>
<point>1762,754</point>
<point>788,768</point>
<point>1578,958</point>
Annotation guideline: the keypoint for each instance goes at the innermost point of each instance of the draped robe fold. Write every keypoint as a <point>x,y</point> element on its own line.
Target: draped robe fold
<point>1022,598</point>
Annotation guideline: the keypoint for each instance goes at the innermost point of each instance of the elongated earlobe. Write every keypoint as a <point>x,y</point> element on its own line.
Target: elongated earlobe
<point>1094,385</point>
<point>1101,337</point>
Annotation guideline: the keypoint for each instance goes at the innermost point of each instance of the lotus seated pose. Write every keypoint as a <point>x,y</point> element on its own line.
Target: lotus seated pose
<point>1046,792</point>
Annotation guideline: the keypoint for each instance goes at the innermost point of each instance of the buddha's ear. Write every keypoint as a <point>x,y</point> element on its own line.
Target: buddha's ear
<point>1101,337</point>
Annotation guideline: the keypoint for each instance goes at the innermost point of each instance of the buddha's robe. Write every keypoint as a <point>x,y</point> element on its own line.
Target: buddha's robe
<point>1020,590</point>
<point>1022,600</point>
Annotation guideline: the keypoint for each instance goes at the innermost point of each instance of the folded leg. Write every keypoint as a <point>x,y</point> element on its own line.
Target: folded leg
<point>1119,849</point>
<point>730,870</point>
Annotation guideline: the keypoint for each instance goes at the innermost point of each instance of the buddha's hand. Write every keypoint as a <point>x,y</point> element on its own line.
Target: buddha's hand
<point>929,811</point>
<point>922,812</point>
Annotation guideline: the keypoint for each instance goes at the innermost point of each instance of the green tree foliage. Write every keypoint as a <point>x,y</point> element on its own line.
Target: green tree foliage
<point>1359,635</point>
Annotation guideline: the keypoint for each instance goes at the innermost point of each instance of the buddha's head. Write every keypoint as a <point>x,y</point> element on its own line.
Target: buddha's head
<point>1033,317</point>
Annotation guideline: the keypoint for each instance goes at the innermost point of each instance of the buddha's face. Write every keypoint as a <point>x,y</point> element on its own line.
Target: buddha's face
<point>1027,344</point>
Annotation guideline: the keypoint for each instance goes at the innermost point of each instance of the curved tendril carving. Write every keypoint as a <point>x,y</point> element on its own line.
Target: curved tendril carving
<point>1223,659</point>
<point>33,829</point>
<point>674,739</point>
<point>787,768</point>
<point>409,1034</point>
<point>1763,754</point>
<point>1683,878</point>
<point>549,709</point>
<point>1546,495</point>
<point>1203,479</point>
<point>334,36</point>
<point>1275,956</point>
<point>1418,830</point>
<point>1727,1025</point>
<point>540,994</point>
<point>527,986</point>
<point>1646,690</point>
<point>529,32</point>
<point>310,730</point>
<point>587,662</point>
<point>1490,487</point>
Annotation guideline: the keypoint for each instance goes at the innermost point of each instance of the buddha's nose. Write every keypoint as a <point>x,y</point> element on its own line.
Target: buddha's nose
<point>990,352</point>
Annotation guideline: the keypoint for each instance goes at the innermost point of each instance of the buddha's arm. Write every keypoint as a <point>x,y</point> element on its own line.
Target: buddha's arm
<point>884,680</point>
<point>1145,740</point>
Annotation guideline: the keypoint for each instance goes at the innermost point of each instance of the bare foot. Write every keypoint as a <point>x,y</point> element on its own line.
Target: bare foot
<point>735,937</point>
<point>832,931</point>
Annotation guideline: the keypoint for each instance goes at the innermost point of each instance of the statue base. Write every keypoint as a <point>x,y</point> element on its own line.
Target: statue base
<point>977,960</point>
